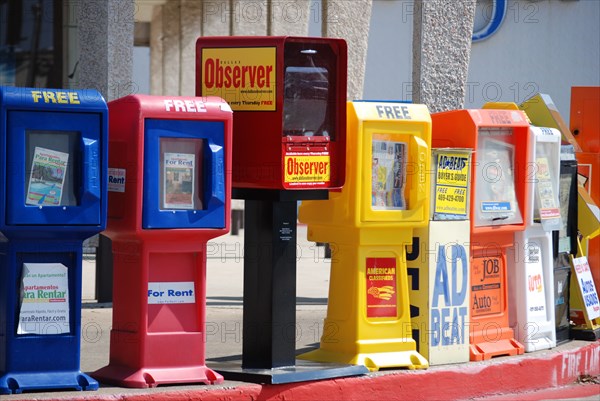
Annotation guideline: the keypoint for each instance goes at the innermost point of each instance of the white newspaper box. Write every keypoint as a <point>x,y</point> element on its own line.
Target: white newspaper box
<point>530,262</point>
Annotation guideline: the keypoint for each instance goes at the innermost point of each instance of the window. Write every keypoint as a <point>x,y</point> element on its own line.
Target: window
<point>309,107</point>
<point>31,43</point>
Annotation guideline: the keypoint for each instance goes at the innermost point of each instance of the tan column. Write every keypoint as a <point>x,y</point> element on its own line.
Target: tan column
<point>289,17</point>
<point>442,33</point>
<point>191,30</point>
<point>156,51</point>
<point>249,18</point>
<point>350,20</point>
<point>216,17</point>
<point>106,40</point>
<point>171,48</point>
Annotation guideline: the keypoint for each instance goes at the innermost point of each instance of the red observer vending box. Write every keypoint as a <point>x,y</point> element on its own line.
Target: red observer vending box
<point>288,95</point>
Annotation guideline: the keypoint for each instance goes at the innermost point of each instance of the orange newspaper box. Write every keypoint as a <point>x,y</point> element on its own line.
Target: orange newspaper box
<point>585,126</point>
<point>288,95</point>
<point>499,197</point>
<point>585,117</point>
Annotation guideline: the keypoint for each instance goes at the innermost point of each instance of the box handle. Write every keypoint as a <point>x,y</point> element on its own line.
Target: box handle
<point>217,173</point>
<point>422,190</point>
<point>91,170</point>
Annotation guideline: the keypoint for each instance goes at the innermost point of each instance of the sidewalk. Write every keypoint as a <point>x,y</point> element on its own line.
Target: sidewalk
<point>501,376</point>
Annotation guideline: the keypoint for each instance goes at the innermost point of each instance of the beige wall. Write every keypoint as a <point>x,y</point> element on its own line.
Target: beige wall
<point>177,24</point>
<point>442,32</point>
<point>350,20</point>
<point>441,50</point>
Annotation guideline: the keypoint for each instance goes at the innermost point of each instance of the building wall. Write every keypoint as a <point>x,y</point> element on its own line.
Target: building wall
<point>389,58</point>
<point>546,46</point>
<point>542,46</point>
<point>177,24</point>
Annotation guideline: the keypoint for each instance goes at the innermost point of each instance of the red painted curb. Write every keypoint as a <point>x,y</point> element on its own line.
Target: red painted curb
<point>571,392</point>
<point>455,382</point>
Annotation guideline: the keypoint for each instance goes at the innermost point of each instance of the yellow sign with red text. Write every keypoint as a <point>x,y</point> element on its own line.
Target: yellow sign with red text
<point>307,169</point>
<point>243,76</point>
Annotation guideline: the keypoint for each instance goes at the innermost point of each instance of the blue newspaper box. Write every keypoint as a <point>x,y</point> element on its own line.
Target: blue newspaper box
<point>53,164</point>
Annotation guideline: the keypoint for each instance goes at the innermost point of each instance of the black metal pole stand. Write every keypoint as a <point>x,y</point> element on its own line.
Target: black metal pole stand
<point>104,270</point>
<point>269,284</point>
<point>269,327</point>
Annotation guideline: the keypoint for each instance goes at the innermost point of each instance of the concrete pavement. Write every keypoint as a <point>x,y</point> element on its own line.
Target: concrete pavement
<point>508,376</point>
<point>225,274</point>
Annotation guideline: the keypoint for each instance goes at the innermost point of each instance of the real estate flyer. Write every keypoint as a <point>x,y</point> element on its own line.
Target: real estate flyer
<point>178,191</point>
<point>547,209</point>
<point>388,175</point>
<point>47,177</point>
<point>44,299</point>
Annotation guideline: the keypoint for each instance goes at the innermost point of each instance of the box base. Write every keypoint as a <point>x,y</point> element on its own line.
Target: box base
<point>125,376</point>
<point>16,383</point>
<point>539,343</point>
<point>585,334</point>
<point>300,372</point>
<point>373,361</point>
<point>485,350</point>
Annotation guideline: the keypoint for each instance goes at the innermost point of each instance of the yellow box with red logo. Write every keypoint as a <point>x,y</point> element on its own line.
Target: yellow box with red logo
<point>387,185</point>
<point>289,100</point>
<point>369,224</point>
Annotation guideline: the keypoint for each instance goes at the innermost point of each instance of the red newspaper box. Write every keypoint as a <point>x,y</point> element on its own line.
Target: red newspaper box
<point>169,193</point>
<point>289,98</point>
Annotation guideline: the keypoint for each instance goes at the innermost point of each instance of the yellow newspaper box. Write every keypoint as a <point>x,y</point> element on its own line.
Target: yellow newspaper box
<point>369,224</point>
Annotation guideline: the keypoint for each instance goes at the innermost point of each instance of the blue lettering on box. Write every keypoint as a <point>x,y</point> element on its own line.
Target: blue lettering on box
<point>161,293</point>
<point>452,296</point>
<point>495,207</point>
<point>173,293</point>
<point>448,326</point>
<point>440,286</point>
<point>447,323</point>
